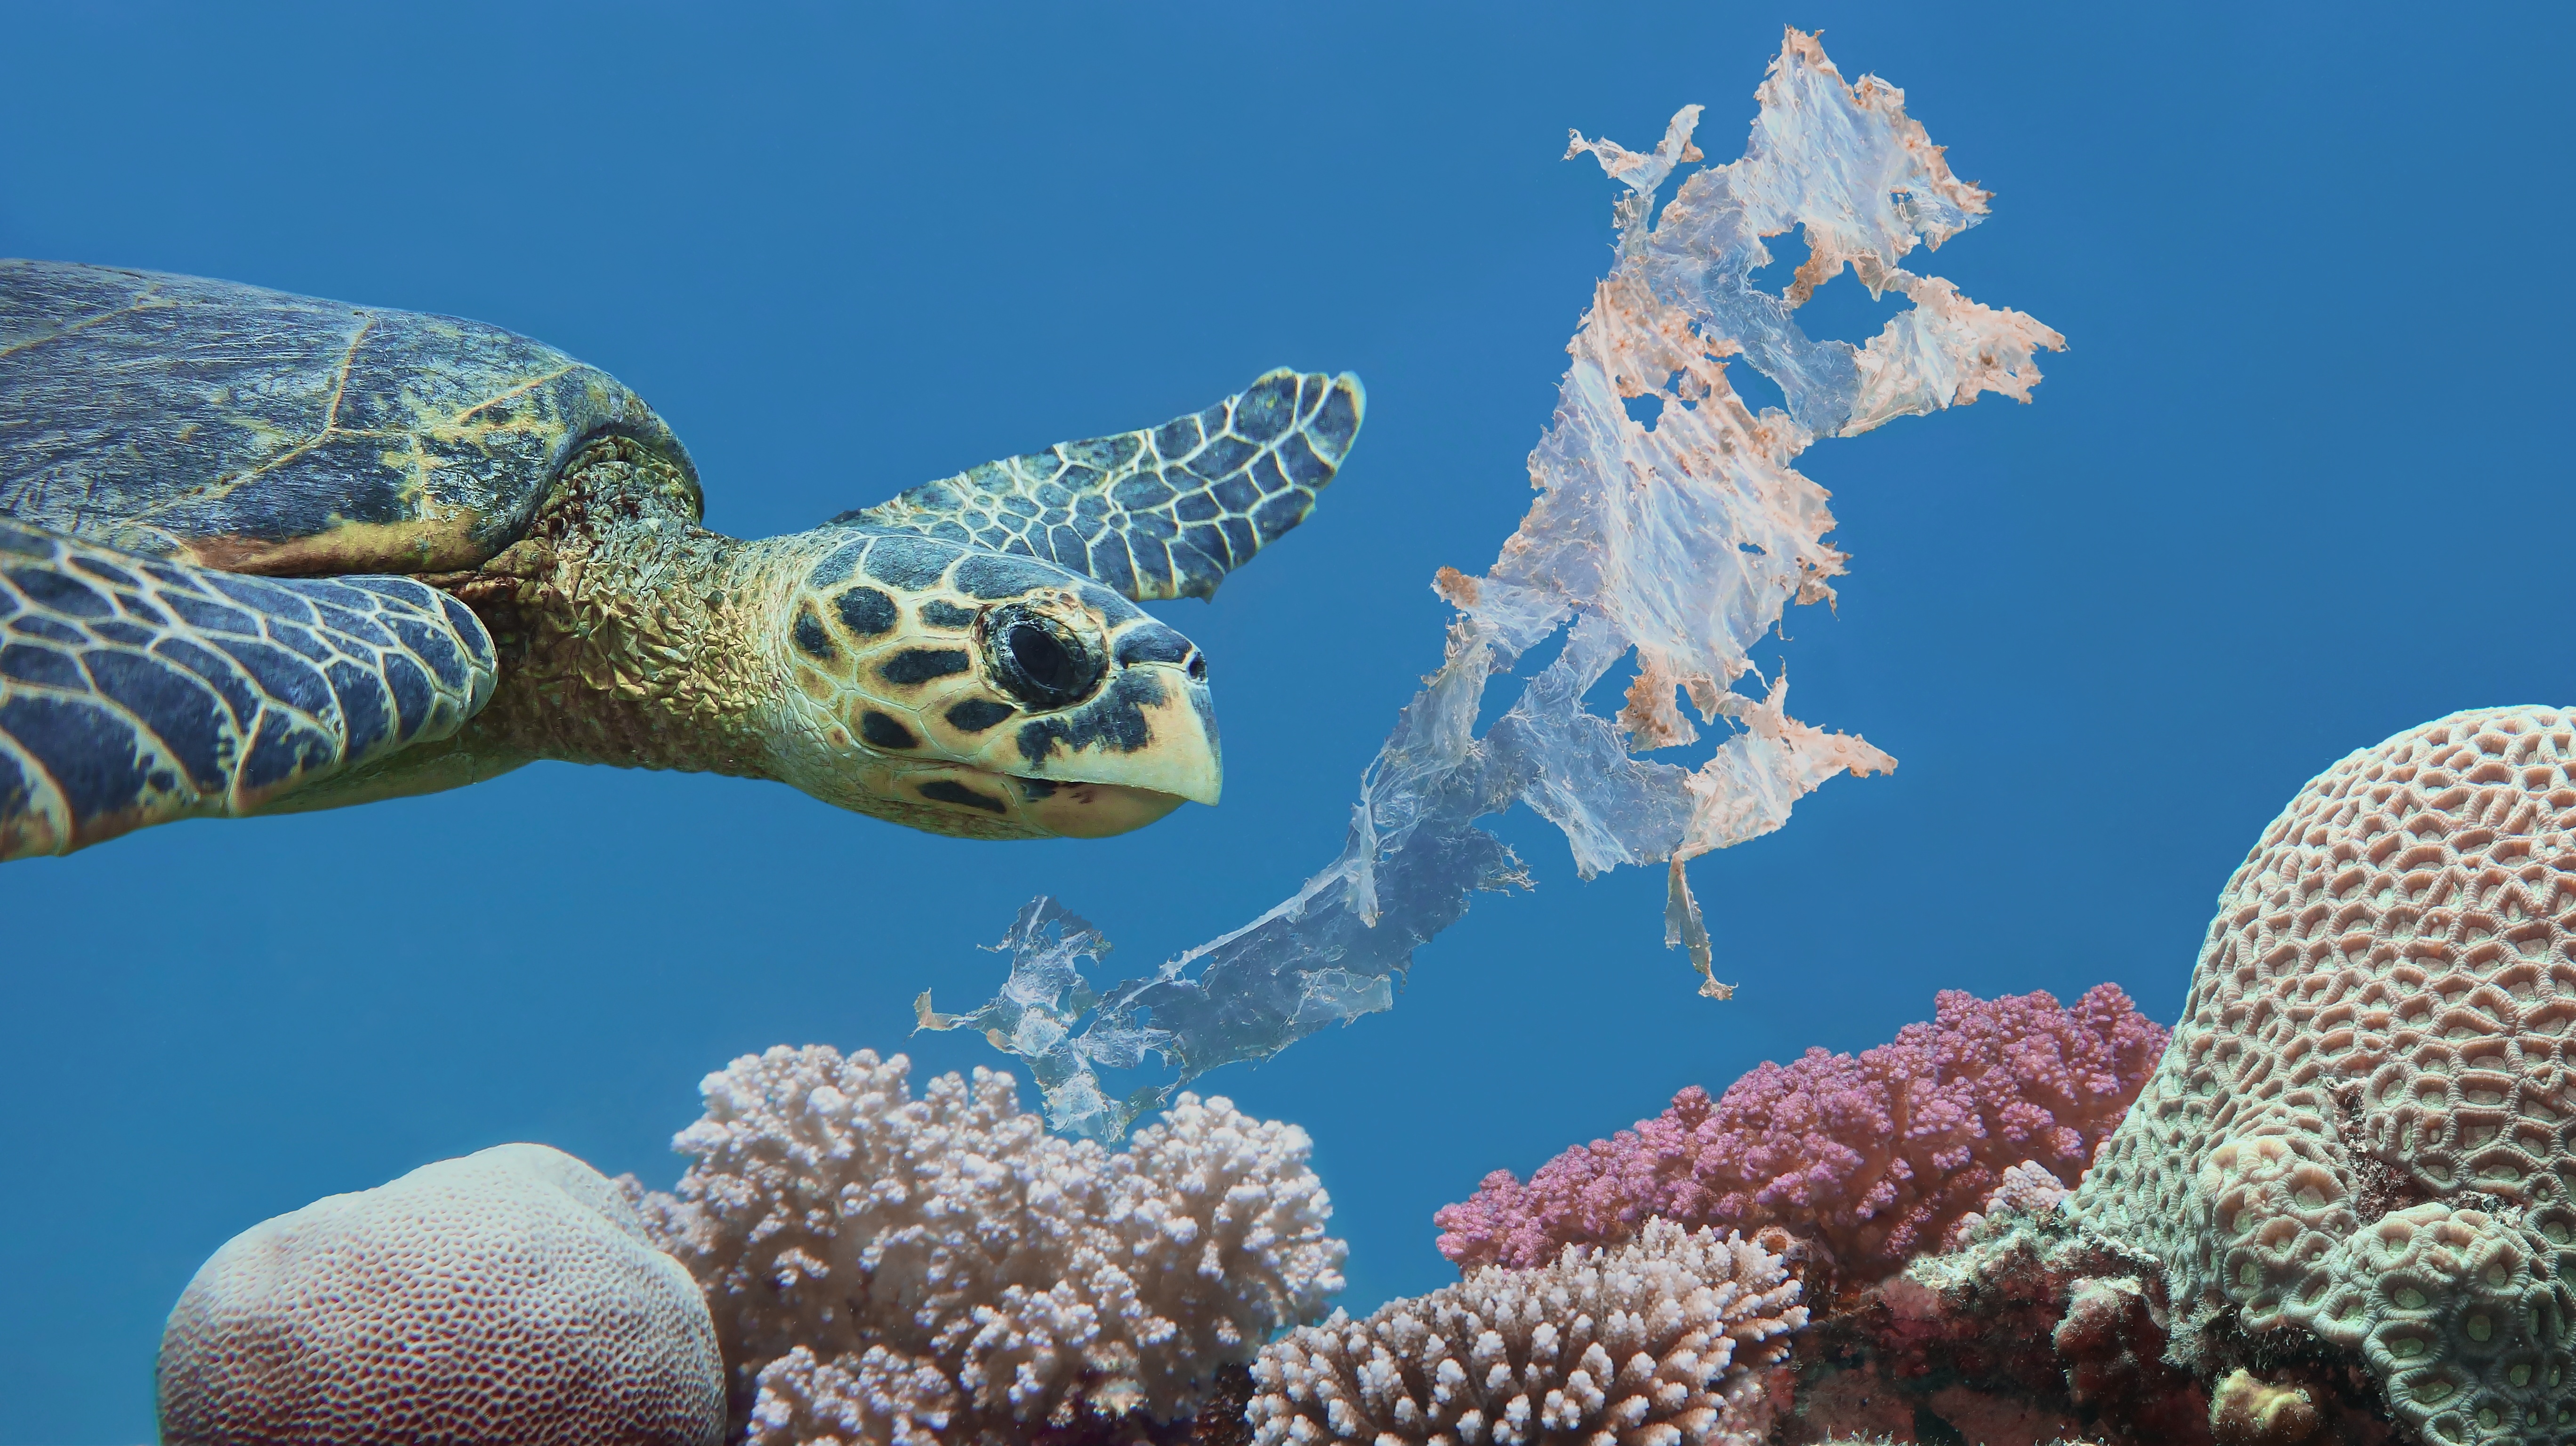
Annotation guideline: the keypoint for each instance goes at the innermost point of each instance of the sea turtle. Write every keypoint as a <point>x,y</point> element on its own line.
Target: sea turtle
<point>262,553</point>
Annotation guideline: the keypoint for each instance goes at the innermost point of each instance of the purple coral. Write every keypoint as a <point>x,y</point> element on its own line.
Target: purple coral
<point>1875,1157</point>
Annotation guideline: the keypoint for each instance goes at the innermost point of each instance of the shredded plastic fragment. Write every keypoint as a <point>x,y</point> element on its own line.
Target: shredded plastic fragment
<point>1681,539</point>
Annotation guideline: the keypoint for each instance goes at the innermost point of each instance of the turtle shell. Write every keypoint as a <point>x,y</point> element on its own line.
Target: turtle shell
<point>255,431</point>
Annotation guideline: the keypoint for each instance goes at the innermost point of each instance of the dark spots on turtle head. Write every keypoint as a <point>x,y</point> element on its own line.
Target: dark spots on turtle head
<point>92,755</point>
<point>941,613</point>
<point>882,731</point>
<point>991,575</point>
<point>61,592</point>
<point>812,639</point>
<point>1115,721</point>
<point>836,568</point>
<point>910,563</point>
<point>31,663</point>
<point>949,790</point>
<point>1034,789</point>
<point>25,544</point>
<point>977,714</point>
<point>920,665</point>
<point>104,572</point>
<point>181,711</point>
<point>866,611</point>
<point>1152,643</point>
<point>48,629</point>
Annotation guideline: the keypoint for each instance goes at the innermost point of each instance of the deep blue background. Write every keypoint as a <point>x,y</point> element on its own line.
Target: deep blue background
<point>2299,484</point>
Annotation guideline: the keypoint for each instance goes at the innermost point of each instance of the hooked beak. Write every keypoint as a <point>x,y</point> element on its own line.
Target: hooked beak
<point>1151,729</point>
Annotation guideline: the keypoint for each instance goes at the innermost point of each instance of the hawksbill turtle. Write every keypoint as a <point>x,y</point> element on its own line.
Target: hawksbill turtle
<point>264,553</point>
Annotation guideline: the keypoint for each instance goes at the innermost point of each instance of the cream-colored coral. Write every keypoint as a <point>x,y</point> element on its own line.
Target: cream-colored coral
<point>829,1211</point>
<point>2366,1123</point>
<point>1659,1342</point>
<point>507,1296</point>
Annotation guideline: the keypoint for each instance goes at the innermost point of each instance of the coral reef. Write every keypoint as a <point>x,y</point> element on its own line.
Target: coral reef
<point>884,1269</point>
<point>507,1296</point>
<point>2363,1128</point>
<point>1875,1158</point>
<point>1664,1341</point>
<point>2031,1329</point>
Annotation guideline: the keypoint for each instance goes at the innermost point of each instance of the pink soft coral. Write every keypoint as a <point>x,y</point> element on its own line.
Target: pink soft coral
<point>1875,1157</point>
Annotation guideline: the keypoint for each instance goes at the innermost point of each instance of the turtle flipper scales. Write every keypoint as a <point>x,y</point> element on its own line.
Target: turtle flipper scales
<point>1161,513</point>
<point>138,690</point>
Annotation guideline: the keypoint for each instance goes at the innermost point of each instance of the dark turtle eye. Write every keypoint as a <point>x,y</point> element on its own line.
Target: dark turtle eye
<point>1039,660</point>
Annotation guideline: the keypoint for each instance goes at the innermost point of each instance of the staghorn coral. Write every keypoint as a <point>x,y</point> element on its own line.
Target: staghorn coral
<point>507,1296</point>
<point>1661,1342</point>
<point>2363,1127</point>
<point>882,1268</point>
<point>1877,1157</point>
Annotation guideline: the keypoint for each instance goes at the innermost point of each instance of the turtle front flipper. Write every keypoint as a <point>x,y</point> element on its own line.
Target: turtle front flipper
<point>134,691</point>
<point>1162,513</point>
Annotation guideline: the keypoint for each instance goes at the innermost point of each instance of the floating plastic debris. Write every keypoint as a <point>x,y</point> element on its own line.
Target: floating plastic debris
<point>1681,540</point>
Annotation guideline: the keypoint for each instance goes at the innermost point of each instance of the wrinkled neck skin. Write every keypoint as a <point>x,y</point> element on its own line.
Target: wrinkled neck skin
<point>630,635</point>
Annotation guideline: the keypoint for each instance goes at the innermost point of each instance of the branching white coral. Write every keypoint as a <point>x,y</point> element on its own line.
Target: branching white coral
<point>1680,540</point>
<point>828,1212</point>
<point>1659,1342</point>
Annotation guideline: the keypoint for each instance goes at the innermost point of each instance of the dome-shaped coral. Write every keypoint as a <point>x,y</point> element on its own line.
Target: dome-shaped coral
<point>2366,1123</point>
<point>506,1296</point>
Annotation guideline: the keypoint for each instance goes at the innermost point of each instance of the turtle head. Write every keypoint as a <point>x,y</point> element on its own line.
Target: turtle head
<point>985,694</point>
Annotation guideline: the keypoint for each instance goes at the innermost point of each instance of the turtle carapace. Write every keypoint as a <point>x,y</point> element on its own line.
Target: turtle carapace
<point>262,553</point>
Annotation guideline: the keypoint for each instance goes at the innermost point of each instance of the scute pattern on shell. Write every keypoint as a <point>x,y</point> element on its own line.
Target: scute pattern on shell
<point>2366,1123</point>
<point>506,1296</point>
<point>1040,1278</point>
<point>1659,1342</point>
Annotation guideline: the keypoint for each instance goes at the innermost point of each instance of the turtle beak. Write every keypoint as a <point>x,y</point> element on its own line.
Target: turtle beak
<point>1151,728</point>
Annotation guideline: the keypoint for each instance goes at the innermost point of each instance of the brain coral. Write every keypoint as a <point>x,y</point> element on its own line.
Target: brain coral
<point>1876,1156</point>
<point>882,1268</point>
<point>2363,1126</point>
<point>1660,1342</point>
<point>507,1296</point>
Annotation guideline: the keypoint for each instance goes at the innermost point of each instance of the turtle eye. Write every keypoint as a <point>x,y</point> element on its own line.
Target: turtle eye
<point>1039,660</point>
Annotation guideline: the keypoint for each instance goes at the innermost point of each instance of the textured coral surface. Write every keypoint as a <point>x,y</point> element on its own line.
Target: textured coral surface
<point>2363,1126</point>
<point>1876,1156</point>
<point>882,1267</point>
<point>1659,1342</point>
<point>507,1296</point>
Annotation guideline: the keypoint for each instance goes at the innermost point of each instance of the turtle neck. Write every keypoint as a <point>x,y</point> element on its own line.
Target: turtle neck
<point>628,634</point>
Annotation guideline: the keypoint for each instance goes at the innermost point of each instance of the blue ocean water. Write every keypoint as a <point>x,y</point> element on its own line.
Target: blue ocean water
<point>2296,485</point>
